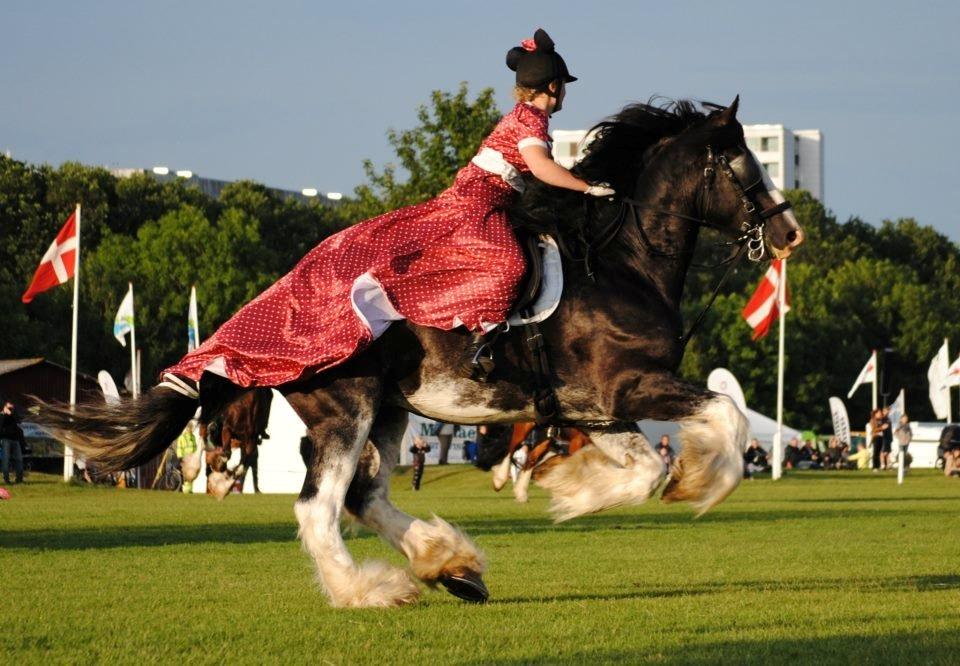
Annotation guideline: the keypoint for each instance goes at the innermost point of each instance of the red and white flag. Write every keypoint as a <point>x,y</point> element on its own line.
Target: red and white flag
<point>58,264</point>
<point>953,373</point>
<point>764,308</point>
<point>867,376</point>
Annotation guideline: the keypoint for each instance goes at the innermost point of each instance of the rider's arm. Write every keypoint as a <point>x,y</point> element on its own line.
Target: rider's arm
<point>544,168</point>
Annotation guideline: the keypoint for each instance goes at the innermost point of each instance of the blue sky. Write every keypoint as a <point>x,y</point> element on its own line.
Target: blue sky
<point>297,94</point>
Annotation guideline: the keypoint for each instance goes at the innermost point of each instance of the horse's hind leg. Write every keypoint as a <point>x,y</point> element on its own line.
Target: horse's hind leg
<point>339,413</point>
<point>438,552</point>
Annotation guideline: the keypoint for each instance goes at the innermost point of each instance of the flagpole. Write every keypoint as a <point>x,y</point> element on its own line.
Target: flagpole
<point>946,345</point>
<point>876,375</point>
<point>902,457</point>
<point>67,450</point>
<point>777,470</point>
<point>133,348</point>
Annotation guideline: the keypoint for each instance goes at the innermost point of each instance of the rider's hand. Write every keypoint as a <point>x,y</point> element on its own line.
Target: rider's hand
<point>599,190</point>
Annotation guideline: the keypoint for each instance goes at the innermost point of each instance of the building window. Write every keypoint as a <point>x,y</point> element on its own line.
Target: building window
<point>796,159</point>
<point>770,143</point>
<point>772,168</point>
<point>796,184</point>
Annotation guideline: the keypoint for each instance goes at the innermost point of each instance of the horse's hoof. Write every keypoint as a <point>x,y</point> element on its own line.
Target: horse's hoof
<point>468,586</point>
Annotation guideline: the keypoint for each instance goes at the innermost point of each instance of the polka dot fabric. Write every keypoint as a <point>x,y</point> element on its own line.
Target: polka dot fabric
<point>450,261</point>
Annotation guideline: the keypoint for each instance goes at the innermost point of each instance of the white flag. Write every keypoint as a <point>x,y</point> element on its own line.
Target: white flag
<point>841,422</point>
<point>867,376</point>
<point>123,322</point>
<point>937,375</point>
<point>193,323</point>
<point>897,408</point>
<point>953,373</point>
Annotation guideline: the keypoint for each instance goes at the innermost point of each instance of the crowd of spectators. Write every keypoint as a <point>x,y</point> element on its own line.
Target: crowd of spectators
<point>838,455</point>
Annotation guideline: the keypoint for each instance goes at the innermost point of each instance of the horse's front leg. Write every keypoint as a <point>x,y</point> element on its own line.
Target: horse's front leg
<point>339,416</point>
<point>713,434</point>
<point>620,469</point>
<point>437,551</point>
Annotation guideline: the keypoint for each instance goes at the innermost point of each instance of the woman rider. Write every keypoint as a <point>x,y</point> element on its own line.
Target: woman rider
<point>448,262</point>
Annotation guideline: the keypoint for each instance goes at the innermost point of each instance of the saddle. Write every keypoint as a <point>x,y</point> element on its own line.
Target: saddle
<point>533,279</point>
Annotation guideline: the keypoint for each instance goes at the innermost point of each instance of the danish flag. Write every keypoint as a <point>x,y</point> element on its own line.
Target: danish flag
<point>58,264</point>
<point>763,308</point>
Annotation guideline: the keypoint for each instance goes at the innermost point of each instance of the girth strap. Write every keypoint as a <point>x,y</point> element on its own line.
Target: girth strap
<point>546,407</point>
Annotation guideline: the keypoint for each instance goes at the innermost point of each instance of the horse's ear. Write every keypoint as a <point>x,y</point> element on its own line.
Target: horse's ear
<point>730,113</point>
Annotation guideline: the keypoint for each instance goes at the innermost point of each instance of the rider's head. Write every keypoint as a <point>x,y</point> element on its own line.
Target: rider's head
<point>540,70</point>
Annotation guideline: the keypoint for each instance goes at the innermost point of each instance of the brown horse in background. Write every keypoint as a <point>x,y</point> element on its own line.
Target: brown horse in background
<point>243,426</point>
<point>565,442</point>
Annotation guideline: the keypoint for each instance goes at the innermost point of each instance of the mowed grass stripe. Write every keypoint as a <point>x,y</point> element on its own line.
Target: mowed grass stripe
<point>826,567</point>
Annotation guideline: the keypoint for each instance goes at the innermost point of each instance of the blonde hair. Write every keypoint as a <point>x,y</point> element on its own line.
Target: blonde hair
<point>524,94</point>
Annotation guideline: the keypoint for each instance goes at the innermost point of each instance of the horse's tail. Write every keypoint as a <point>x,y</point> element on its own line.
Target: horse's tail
<point>120,436</point>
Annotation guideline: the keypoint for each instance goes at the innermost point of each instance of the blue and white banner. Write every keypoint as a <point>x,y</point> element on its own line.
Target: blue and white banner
<point>123,322</point>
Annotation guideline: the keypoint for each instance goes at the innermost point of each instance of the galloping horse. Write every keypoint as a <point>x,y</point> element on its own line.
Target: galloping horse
<point>615,344</point>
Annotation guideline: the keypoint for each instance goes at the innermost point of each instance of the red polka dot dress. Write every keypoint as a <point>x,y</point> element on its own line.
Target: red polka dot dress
<point>451,261</point>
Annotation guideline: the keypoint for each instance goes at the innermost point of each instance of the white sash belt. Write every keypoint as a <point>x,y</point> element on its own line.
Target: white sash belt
<point>492,161</point>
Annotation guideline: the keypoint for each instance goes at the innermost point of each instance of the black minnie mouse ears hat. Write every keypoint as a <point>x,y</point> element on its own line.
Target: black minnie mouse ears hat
<point>537,63</point>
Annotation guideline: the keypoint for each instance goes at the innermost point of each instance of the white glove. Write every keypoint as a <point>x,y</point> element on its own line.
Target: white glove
<point>600,190</point>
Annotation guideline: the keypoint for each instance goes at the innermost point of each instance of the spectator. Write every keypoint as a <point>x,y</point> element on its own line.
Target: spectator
<point>951,462</point>
<point>833,456</point>
<point>860,459</point>
<point>445,432</point>
<point>903,435</point>
<point>809,456</point>
<point>877,437</point>
<point>666,451</point>
<point>755,459</point>
<point>419,450</point>
<point>12,442</point>
<point>792,454</point>
<point>887,431</point>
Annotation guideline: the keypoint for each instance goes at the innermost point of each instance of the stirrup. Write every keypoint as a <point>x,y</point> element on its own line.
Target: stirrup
<point>477,362</point>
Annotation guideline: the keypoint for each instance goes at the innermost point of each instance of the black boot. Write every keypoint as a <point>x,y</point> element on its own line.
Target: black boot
<point>477,361</point>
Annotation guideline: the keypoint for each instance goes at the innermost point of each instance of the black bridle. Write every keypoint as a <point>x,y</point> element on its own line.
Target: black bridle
<point>750,236</point>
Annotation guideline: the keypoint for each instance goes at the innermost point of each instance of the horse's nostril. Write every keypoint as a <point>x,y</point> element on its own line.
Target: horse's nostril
<point>791,236</point>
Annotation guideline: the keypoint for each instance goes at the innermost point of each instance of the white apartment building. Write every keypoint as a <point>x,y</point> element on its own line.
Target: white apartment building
<point>792,158</point>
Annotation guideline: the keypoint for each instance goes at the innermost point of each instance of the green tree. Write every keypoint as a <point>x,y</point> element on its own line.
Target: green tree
<point>448,135</point>
<point>163,261</point>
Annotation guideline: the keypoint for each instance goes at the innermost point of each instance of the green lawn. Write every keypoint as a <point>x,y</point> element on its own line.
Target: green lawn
<point>825,567</point>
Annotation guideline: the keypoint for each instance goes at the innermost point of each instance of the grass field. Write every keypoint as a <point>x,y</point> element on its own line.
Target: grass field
<point>825,567</point>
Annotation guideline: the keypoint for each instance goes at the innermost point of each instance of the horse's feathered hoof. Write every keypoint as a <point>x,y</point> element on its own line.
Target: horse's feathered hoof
<point>467,586</point>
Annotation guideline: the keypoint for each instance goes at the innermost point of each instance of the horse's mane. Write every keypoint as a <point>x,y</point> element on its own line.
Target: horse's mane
<point>615,156</point>
<point>616,153</point>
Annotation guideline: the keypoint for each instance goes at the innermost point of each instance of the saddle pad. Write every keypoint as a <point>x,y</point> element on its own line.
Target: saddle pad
<point>550,289</point>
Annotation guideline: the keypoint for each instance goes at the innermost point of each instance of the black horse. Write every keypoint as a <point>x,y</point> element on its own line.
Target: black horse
<point>614,345</point>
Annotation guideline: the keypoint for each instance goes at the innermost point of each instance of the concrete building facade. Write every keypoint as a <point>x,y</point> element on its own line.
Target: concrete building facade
<point>792,158</point>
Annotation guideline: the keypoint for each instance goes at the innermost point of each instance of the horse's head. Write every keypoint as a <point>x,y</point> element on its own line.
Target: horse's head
<point>732,191</point>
